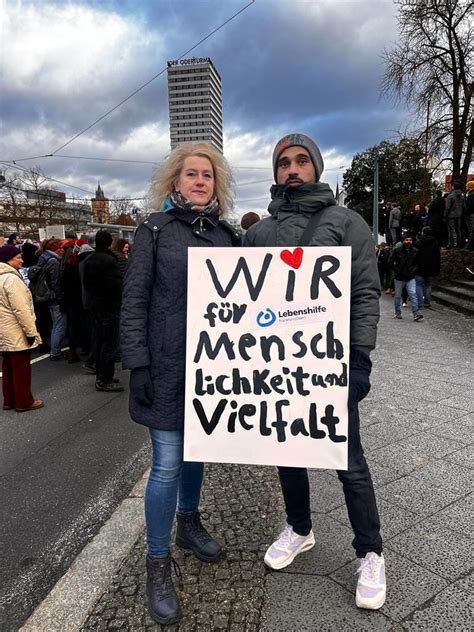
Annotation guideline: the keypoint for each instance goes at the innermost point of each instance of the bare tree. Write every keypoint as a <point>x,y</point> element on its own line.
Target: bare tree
<point>13,206</point>
<point>119,207</point>
<point>27,202</point>
<point>432,68</point>
<point>42,201</point>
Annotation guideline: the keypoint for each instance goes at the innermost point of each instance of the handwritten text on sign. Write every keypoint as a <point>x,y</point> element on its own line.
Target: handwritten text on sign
<point>268,356</point>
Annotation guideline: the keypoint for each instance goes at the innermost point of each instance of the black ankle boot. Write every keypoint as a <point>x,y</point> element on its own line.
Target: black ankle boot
<point>163,603</point>
<point>190,534</point>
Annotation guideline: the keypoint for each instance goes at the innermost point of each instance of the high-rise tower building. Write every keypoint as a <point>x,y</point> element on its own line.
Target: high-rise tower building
<point>195,101</point>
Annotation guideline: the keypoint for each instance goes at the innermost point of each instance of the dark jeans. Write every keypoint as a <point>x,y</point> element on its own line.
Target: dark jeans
<point>75,326</point>
<point>358,491</point>
<point>105,332</point>
<point>454,232</point>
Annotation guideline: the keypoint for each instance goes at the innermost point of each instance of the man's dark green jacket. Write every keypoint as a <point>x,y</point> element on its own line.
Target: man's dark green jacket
<point>290,211</point>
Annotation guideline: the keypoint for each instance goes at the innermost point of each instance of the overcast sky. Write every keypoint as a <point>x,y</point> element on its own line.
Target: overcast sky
<point>312,66</point>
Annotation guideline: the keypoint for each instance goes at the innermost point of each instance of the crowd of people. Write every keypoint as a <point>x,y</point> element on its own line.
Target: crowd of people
<point>96,296</point>
<point>56,293</point>
<point>449,215</point>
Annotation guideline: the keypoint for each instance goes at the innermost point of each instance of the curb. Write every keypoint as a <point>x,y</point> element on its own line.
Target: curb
<point>70,602</point>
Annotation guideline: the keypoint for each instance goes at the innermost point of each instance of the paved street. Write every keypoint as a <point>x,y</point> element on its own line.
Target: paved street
<point>63,470</point>
<point>417,430</point>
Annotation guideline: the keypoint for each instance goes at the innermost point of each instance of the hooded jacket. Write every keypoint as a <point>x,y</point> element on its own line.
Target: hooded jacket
<point>154,307</point>
<point>454,205</point>
<point>102,282</point>
<point>16,312</point>
<point>290,211</point>
<point>403,262</point>
<point>52,269</point>
<point>84,252</point>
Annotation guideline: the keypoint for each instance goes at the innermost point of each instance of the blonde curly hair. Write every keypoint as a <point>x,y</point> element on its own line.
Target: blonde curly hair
<point>165,177</point>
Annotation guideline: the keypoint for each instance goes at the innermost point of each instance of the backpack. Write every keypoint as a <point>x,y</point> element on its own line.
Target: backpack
<point>39,287</point>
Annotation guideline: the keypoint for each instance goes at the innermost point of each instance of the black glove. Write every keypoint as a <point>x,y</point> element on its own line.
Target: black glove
<point>360,367</point>
<point>30,340</point>
<point>141,386</point>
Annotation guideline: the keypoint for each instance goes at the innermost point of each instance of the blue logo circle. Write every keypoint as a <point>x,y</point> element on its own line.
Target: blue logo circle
<point>265,318</point>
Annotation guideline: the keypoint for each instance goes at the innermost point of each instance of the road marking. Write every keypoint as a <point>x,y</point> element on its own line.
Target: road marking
<point>43,357</point>
<point>46,355</point>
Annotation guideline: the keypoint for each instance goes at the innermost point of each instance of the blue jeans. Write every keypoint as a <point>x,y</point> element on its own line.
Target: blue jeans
<point>171,480</point>
<point>58,329</point>
<point>358,491</point>
<point>411,289</point>
<point>424,285</point>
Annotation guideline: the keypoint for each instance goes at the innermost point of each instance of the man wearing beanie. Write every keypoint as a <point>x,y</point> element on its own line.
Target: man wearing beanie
<point>303,212</point>
<point>102,282</point>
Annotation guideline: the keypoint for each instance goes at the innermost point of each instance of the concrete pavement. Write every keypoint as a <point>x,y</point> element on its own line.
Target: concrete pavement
<point>417,431</point>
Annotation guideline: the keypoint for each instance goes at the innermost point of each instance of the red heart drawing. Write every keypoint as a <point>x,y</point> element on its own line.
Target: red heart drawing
<point>292,259</point>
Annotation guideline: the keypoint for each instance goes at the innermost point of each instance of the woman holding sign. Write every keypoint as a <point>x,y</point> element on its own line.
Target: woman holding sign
<point>192,192</point>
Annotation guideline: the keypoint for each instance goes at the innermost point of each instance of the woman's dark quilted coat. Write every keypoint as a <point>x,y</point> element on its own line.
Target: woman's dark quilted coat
<point>153,318</point>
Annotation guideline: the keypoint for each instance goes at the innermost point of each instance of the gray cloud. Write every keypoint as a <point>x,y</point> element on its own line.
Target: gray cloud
<point>309,66</point>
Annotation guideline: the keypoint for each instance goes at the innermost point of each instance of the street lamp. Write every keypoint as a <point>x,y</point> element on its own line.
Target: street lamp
<point>375,220</point>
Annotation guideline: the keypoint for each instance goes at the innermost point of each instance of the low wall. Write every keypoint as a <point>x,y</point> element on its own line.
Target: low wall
<point>454,263</point>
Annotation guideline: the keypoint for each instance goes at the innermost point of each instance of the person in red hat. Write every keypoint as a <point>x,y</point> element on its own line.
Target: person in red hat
<point>18,334</point>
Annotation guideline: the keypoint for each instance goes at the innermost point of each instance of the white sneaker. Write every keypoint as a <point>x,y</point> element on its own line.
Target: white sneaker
<point>371,585</point>
<point>284,550</point>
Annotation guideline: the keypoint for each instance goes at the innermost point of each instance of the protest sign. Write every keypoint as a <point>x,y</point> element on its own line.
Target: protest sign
<point>267,356</point>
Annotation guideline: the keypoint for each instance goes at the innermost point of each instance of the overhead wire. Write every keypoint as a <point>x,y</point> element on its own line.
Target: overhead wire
<point>52,154</point>
<point>71,186</point>
<point>55,154</point>
<point>8,163</point>
<point>132,161</point>
<point>68,197</point>
<point>101,118</point>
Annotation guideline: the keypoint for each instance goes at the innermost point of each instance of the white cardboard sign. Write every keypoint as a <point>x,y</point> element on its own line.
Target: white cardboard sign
<point>267,356</point>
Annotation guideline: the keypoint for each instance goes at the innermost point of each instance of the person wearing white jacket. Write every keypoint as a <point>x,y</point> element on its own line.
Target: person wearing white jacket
<point>18,333</point>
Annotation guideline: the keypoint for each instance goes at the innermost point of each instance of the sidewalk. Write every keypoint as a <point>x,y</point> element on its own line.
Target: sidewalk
<point>417,430</point>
